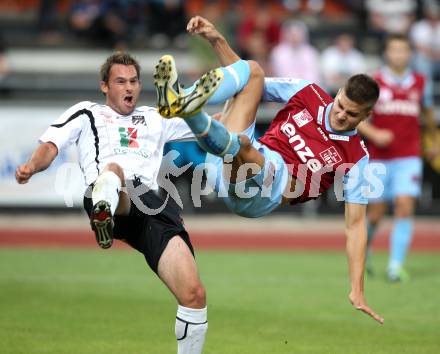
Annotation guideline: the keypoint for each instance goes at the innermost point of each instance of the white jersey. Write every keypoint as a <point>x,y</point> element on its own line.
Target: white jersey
<point>134,141</point>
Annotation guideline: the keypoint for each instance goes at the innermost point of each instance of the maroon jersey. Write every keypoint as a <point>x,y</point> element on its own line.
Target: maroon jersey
<point>314,153</point>
<point>398,109</point>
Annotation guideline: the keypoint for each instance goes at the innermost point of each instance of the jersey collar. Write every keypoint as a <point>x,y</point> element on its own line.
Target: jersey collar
<point>406,80</point>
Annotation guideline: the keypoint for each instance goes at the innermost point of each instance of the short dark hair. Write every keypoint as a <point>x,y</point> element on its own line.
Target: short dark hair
<point>362,89</point>
<point>396,37</point>
<point>118,58</point>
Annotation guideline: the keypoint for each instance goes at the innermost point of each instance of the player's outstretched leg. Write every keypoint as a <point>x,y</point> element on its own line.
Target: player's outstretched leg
<point>400,241</point>
<point>219,84</point>
<point>172,100</point>
<point>105,199</point>
<point>214,87</point>
<point>401,236</point>
<point>178,270</point>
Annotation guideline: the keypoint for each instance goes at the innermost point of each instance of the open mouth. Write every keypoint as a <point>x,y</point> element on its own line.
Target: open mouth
<point>128,99</point>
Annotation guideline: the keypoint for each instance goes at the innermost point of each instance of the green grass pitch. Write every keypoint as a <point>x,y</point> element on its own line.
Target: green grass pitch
<point>87,301</point>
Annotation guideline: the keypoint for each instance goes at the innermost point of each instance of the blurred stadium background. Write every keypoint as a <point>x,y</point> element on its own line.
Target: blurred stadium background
<point>50,54</point>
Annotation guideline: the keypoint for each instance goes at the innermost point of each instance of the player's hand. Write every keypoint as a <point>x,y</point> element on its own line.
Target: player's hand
<point>432,152</point>
<point>201,26</point>
<point>217,116</point>
<point>383,137</point>
<point>358,302</point>
<point>23,173</point>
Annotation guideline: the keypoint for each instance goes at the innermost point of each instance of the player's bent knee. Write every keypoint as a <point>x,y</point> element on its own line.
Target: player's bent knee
<point>245,148</point>
<point>374,218</point>
<point>404,207</point>
<point>114,167</point>
<point>245,142</point>
<point>256,70</point>
<point>194,296</point>
<point>403,213</point>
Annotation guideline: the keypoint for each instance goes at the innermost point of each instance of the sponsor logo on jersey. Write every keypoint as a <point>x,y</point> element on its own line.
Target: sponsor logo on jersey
<point>298,144</point>
<point>330,156</point>
<point>123,150</point>
<point>401,107</point>
<point>319,96</point>
<point>339,137</point>
<point>320,114</point>
<point>324,135</point>
<point>128,137</point>
<point>107,117</point>
<point>302,118</point>
<point>138,120</point>
<point>108,120</point>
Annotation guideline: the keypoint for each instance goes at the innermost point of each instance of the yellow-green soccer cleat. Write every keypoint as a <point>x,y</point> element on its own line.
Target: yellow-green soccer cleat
<point>398,274</point>
<point>171,98</point>
<point>167,85</point>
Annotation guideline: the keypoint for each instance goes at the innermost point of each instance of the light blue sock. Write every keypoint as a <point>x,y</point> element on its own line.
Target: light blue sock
<point>400,241</point>
<point>213,136</point>
<point>235,77</point>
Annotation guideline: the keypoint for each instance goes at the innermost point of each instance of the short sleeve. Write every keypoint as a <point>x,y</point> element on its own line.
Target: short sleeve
<point>428,93</point>
<point>67,128</point>
<point>176,129</point>
<point>282,89</point>
<point>356,184</point>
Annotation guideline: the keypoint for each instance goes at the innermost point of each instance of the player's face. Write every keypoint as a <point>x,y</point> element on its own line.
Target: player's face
<point>398,54</point>
<point>345,114</point>
<point>123,88</point>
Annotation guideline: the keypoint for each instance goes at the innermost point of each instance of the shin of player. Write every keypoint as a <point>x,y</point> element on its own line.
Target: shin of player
<point>214,87</point>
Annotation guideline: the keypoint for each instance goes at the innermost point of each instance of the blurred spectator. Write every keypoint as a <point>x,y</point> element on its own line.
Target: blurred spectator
<point>99,20</point>
<point>133,13</point>
<point>167,23</point>
<point>391,16</point>
<point>294,56</point>
<point>425,36</point>
<point>48,22</point>
<point>340,61</point>
<point>258,32</point>
<point>4,67</point>
<point>305,6</point>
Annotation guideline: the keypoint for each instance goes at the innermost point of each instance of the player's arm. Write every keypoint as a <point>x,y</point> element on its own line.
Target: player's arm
<point>429,119</point>
<point>205,29</point>
<point>379,137</point>
<point>356,233</point>
<point>41,159</point>
<point>430,128</point>
<point>64,131</point>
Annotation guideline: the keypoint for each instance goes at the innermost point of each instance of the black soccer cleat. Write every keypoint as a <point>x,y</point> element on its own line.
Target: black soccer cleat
<point>101,221</point>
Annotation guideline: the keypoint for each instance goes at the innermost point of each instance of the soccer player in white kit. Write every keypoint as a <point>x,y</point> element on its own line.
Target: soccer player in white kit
<point>121,145</point>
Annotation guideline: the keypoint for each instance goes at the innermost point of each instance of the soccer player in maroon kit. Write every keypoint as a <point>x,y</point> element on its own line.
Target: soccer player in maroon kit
<point>393,136</point>
<point>311,142</point>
